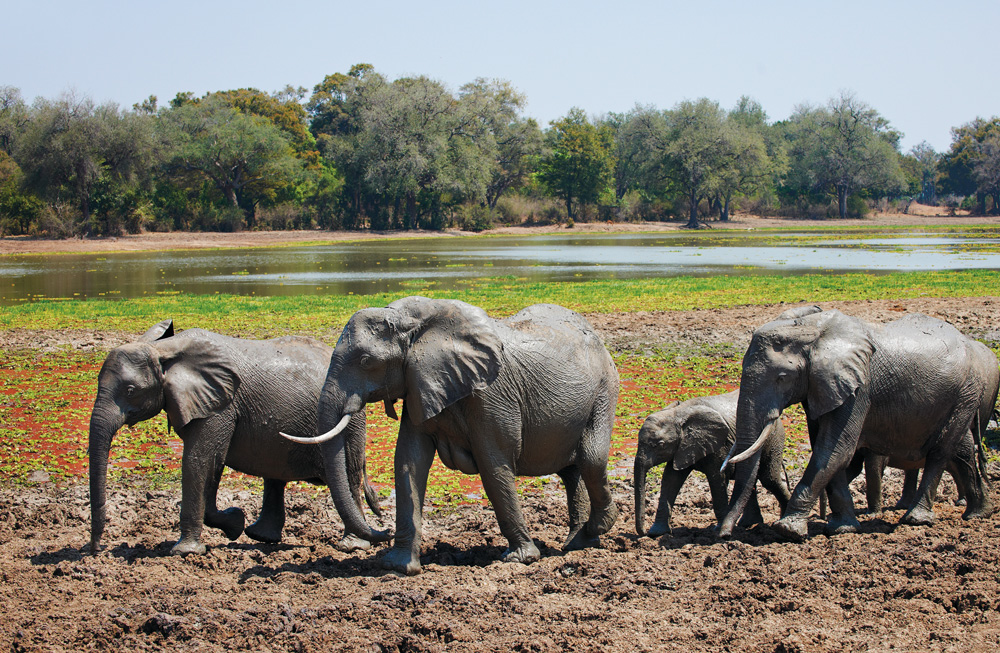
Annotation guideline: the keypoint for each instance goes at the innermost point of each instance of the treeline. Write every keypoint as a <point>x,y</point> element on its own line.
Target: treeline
<point>363,152</point>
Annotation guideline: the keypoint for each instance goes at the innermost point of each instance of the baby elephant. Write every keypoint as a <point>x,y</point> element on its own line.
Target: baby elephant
<point>697,434</point>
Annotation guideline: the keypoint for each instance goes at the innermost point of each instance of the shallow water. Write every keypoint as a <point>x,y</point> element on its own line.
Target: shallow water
<point>412,264</point>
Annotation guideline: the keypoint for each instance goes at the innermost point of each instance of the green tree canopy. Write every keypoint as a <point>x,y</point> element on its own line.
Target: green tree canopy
<point>846,146</point>
<point>579,166</point>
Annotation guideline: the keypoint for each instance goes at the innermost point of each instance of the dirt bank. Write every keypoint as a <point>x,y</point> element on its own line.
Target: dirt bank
<point>920,216</point>
<point>888,587</point>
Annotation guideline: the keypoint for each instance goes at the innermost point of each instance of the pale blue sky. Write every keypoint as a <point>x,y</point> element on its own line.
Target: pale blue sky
<point>926,66</point>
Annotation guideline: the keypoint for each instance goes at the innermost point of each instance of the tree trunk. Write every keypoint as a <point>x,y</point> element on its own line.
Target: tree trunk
<point>842,200</point>
<point>724,212</point>
<point>693,216</point>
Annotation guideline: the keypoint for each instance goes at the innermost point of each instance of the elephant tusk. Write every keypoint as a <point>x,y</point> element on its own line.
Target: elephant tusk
<point>751,451</point>
<point>320,439</point>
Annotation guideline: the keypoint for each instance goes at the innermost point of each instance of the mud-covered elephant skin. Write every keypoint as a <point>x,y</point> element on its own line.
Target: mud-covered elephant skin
<point>693,435</point>
<point>987,369</point>
<point>227,399</point>
<point>907,389</point>
<point>530,395</point>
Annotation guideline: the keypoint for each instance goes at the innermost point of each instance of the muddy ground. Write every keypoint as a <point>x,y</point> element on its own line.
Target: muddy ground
<point>888,587</point>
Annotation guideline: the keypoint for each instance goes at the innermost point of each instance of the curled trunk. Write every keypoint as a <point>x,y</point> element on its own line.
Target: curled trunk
<point>104,423</point>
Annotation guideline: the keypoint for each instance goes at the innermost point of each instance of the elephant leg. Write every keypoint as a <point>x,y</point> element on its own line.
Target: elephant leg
<point>718,485</point>
<point>752,514</point>
<point>909,495</point>
<point>836,442</point>
<point>271,521</point>
<point>498,481</point>
<point>576,501</point>
<point>412,462</point>
<point>921,512</point>
<point>670,486</point>
<point>874,469</point>
<point>229,521</point>
<point>970,483</point>
<point>204,455</point>
<point>594,449</point>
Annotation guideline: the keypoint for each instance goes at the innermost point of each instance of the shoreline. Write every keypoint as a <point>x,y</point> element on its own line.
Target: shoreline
<point>161,241</point>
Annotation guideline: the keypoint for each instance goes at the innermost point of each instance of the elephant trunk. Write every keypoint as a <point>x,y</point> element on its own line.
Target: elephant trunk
<point>639,480</point>
<point>340,487</point>
<point>747,457</point>
<point>105,421</point>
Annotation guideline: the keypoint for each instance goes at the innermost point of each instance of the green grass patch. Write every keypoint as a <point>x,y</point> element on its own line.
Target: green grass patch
<point>317,315</point>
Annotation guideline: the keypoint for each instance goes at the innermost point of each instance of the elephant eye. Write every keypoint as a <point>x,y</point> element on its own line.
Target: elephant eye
<point>130,391</point>
<point>366,362</point>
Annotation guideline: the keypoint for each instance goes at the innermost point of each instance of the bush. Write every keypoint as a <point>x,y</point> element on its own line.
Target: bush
<point>473,217</point>
<point>284,217</point>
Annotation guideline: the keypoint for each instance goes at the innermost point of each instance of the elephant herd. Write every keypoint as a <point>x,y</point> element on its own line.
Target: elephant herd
<point>535,394</point>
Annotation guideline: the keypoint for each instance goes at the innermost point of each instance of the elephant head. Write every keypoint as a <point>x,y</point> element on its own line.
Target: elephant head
<point>189,380</point>
<point>429,352</point>
<point>681,434</point>
<point>817,358</point>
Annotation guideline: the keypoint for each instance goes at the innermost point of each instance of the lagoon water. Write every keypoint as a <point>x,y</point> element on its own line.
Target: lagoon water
<point>418,263</point>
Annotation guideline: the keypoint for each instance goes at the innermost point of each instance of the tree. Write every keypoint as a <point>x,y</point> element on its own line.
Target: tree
<point>694,147</point>
<point>579,166</point>
<point>927,168</point>
<point>237,152</point>
<point>967,168</point>
<point>846,146</point>
<point>632,149</point>
<point>71,146</point>
<point>508,142</point>
<point>13,117</point>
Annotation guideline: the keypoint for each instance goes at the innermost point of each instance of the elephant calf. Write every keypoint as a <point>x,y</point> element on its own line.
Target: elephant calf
<point>227,399</point>
<point>696,435</point>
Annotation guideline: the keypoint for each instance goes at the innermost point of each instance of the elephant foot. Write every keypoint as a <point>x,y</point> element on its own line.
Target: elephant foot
<point>188,547</point>
<point>601,523</point>
<point>351,542</point>
<point>659,529</point>
<point>525,554</point>
<point>841,525</point>
<point>795,530</point>
<point>919,516</point>
<point>580,540</point>
<point>269,533</point>
<point>402,560</point>
<point>984,510</point>
<point>230,521</point>
<point>961,502</point>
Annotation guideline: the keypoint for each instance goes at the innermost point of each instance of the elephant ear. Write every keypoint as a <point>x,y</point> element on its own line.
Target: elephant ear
<point>200,378</point>
<point>455,350</point>
<point>164,329</point>
<point>703,432</point>
<point>839,363</point>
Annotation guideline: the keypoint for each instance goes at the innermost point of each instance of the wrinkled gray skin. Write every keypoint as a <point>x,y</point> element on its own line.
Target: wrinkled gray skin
<point>227,399</point>
<point>986,368</point>
<point>908,389</point>
<point>530,395</point>
<point>696,435</point>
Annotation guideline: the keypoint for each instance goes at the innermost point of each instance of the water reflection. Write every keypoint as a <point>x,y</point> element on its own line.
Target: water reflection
<point>388,266</point>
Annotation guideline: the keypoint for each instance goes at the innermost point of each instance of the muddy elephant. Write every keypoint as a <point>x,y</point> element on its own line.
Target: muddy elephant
<point>696,435</point>
<point>227,399</point>
<point>530,395</point>
<point>987,369</point>
<point>907,389</point>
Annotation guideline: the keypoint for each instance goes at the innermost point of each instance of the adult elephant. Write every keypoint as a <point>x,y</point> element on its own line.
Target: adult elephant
<point>696,435</point>
<point>227,399</point>
<point>530,395</point>
<point>987,370</point>
<point>907,389</point>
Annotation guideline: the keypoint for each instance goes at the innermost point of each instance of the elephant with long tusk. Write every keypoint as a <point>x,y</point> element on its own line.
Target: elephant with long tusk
<point>227,399</point>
